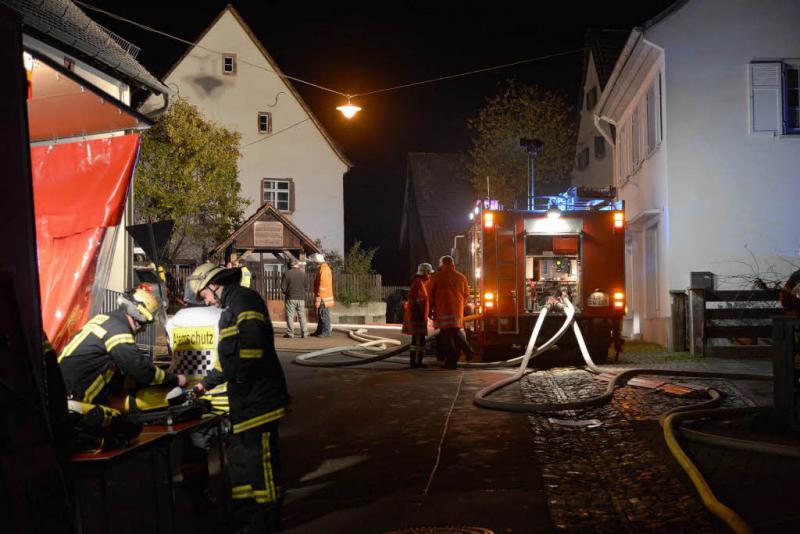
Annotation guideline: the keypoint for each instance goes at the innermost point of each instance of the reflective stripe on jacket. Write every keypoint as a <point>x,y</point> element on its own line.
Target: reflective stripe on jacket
<point>415,316</point>
<point>249,364</point>
<point>246,277</point>
<point>102,347</point>
<point>448,292</point>
<point>323,285</point>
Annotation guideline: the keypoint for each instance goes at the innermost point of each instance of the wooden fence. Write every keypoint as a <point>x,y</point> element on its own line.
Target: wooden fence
<point>346,287</point>
<point>702,321</point>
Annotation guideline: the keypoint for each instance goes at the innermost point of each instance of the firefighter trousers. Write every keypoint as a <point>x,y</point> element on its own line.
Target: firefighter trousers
<point>255,472</point>
<point>417,350</point>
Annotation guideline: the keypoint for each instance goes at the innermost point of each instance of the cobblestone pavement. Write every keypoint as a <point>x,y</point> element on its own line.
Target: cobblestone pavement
<point>618,475</point>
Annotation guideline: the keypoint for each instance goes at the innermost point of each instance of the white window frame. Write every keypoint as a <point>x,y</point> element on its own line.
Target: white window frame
<point>268,116</point>
<point>271,190</point>
<point>768,100</point>
<point>225,70</point>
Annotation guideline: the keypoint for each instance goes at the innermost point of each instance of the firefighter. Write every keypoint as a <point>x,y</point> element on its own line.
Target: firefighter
<point>448,292</point>
<point>104,351</point>
<point>256,392</point>
<point>323,296</point>
<point>247,276</point>
<point>415,318</point>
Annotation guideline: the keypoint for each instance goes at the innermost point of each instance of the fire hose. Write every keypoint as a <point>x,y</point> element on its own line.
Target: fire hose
<point>669,420</point>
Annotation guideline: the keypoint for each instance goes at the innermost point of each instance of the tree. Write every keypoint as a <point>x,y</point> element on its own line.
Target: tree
<point>187,172</point>
<point>521,111</point>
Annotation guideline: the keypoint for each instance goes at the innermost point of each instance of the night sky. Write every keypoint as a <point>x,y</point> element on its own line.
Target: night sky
<point>356,48</point>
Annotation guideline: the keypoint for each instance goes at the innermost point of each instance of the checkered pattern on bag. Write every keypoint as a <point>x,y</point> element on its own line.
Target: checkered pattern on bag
<point>195,362</point>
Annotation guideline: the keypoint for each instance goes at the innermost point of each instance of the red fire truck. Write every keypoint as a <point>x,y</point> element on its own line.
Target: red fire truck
<point>517,259</point>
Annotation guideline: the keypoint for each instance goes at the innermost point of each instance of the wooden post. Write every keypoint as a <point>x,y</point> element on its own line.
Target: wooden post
<point>677,342</point>
<point>697,321</point>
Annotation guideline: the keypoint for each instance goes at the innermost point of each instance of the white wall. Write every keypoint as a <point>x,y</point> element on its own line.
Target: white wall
<point>599,172</point>
<point>727,188</point>
<point>300,152</point>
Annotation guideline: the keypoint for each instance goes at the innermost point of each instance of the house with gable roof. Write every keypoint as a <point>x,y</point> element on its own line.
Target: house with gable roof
<point>288,158</point>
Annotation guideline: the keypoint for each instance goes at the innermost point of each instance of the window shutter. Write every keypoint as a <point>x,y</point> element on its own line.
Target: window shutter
<point>765,98</point>
<point>291,195</point>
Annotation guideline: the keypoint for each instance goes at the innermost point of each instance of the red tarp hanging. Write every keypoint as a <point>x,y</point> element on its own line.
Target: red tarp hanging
<point>79,190</point>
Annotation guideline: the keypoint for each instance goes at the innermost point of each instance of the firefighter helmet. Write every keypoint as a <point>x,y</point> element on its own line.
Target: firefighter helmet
<point>317,258</point>
<point>202,276</point>
<point>140,304</point>
<point>424,268</point>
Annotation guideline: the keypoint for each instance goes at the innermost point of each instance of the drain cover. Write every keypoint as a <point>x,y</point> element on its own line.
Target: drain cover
<point>441,530</point>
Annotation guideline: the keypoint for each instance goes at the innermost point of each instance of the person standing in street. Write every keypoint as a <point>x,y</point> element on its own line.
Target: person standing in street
<point>323,296</point>
<point>448,292</point>
<point>415,318</point>
<point>257,395</point>
<point>293,285</point>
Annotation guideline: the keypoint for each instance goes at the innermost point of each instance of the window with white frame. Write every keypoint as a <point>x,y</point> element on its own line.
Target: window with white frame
<point>775,97</point>
<point>264,122</point>
<point>279,192</point>
<point>229,64</point>
<point>641,134</point>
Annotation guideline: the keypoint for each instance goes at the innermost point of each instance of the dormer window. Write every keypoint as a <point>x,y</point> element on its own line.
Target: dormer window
<point>229,64</point>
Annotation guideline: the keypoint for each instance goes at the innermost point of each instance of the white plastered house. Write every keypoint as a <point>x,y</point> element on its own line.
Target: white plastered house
<point>288,158</point>
<point>701,111</point>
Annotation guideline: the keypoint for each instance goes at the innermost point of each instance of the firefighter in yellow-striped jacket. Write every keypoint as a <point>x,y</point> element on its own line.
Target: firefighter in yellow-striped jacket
<point>257,394</point>
<point>104,352</point>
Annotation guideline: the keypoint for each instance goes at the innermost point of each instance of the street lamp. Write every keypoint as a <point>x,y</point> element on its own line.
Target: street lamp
<point>533,147</point>
<point>349,110</point>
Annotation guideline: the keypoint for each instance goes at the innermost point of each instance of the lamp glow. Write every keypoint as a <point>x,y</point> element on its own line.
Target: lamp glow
<point>349,110</point>
<point>553,212</point>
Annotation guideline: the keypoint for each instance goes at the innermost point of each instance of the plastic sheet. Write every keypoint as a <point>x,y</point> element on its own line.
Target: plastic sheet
<point>79,191</point>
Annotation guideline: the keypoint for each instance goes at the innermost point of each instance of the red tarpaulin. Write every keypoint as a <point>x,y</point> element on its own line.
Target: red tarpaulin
<point>79,190</point>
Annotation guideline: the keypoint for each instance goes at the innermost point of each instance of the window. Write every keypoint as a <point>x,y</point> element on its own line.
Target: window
<point>591,98</point>
<point>599,147</point>
<point>622,157</point>
<point>635,139</point>
<point>278,192</point>
<point>653,115</point>
<point>775,98</point>
<point>583,158</point>
<point>264,122</point>
<point>229,64</point>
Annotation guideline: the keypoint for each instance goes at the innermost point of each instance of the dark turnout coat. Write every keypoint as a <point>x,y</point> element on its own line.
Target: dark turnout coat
<point>101,353</point>
<point>249,364</point>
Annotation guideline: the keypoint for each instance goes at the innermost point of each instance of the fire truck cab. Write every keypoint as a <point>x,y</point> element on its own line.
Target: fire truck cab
<point>517,259</point>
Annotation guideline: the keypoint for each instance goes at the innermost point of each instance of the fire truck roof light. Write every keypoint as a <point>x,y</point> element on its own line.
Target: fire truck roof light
<point>488,220</point>
<point>489,296</point>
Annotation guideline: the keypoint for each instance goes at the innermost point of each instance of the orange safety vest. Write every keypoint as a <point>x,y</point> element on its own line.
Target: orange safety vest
<point>448,291</point>
<point>415,316</point>
<point>323,285</point>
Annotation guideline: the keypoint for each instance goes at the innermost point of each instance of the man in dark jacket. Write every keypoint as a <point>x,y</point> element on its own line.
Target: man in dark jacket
<point>104,351</point>
<point>293,285</point>
<point>256,391</point>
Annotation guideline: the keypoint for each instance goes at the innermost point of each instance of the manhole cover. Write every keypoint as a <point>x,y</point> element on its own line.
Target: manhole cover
<point>441,530</point>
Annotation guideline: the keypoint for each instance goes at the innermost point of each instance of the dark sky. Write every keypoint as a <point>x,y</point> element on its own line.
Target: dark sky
<point>357,47</point>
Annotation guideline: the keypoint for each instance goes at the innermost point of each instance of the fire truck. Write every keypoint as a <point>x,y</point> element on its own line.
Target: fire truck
<point>516,260</point>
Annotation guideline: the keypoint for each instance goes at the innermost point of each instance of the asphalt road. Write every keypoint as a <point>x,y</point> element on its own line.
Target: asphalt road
<point>360,446</point>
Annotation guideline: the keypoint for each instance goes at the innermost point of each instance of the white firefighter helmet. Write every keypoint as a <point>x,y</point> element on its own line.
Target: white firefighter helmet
<point>317,258</point>
<point>424,268</point>
<point>141,304</point>
<point>202,276</point>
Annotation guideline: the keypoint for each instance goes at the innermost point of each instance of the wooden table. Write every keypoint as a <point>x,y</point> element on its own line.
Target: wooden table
<point>132,489</point>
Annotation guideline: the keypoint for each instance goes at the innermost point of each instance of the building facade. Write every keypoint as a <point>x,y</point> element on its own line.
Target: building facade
<point>702,112</point>
<point>287,157</point>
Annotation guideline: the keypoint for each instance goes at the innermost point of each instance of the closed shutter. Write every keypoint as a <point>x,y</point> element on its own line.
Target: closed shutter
<point>765,98</point>
<point>291,195</point>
